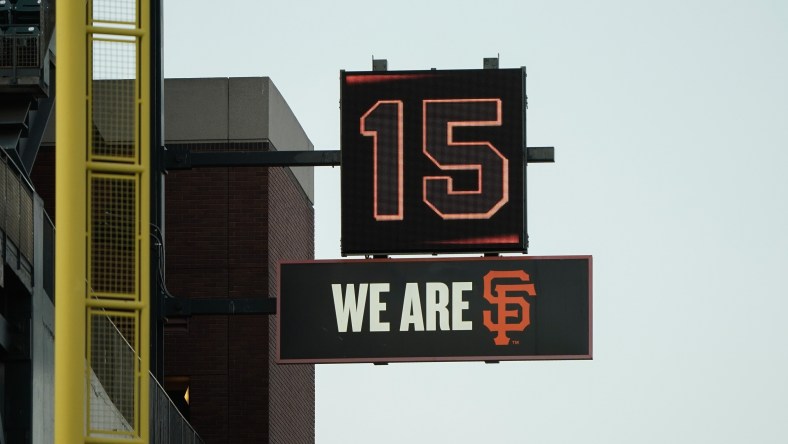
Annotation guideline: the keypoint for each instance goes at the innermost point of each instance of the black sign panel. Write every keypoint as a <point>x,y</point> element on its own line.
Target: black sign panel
<point>497,308</point>
<point>433,161</point>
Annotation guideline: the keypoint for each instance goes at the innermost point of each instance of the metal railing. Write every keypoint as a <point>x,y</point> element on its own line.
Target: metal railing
<point>16,219</point>
<point>168,426</point>
<point>20,47</point>
<point>26,31</point>
<point>111,411</point>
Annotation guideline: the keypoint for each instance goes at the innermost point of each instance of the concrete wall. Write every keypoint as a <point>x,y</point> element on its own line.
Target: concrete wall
<point>227,230</point>
<point>43,342</point>
<point>247,109</point>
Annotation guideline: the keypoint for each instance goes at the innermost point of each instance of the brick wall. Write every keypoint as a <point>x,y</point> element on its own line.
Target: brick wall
<point>292,387</point>
<point>226,230</point>
<point>197,259</point>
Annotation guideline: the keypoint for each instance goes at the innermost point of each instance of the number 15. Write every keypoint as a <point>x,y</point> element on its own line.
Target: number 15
<point>383,123</point>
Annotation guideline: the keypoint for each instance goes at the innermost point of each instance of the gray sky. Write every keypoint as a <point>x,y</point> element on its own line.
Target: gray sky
<point>670,122</point>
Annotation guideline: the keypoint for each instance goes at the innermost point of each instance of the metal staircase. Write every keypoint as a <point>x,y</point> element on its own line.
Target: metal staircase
<point>27,62</point>
<point>23,121</point>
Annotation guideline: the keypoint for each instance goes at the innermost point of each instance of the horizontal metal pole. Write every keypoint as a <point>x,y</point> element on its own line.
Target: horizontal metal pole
<point>119,31</point>
<point>179,158</point>
<point>111,440</point>
<point>186,159</point>
<point>184,307</point>
<point>109,167</point>
<point>115,304</point>
<point>541,154</point>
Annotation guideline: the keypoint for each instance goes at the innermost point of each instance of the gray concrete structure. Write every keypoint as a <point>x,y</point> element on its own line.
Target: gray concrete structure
<point>224,110</point>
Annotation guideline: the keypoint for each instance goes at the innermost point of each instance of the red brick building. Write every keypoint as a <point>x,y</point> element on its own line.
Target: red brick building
<point>226,230</point>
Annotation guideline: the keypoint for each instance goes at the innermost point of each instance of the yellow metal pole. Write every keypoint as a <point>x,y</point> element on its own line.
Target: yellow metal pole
<point>70,191</point>
<point>144,200</point>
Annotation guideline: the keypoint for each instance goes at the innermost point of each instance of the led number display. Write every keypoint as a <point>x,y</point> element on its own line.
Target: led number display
<point>433,161</point>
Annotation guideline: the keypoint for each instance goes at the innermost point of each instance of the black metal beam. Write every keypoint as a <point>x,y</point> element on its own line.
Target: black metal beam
<point>541,154</point>
<point>46,108</point>
<point>184,158</point>
<point>180,158</point>
<point>183,307</point>
<point>157,290</point>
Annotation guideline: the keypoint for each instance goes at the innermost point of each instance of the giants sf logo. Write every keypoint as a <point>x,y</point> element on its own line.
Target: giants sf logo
<point>504,295</point>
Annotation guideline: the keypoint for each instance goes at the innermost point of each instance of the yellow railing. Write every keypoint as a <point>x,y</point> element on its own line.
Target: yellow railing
<point>103,235</point>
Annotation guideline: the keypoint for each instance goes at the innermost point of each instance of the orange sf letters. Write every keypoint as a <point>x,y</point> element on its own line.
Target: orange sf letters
<point>499,294</point>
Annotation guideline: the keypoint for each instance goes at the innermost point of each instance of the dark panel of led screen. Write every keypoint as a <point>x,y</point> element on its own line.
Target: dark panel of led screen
<point>435,309</point>
<point>433,161</point>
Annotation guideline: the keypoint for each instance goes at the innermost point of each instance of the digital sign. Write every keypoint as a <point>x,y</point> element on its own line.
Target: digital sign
<point>433,161</point>
<point>456,309</point>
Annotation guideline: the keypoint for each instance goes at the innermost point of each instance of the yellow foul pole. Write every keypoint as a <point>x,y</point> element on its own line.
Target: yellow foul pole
<point>102,209</point>
<point>70,190</point>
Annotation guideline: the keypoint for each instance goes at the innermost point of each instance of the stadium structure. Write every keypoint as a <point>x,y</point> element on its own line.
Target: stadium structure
<point>168,337</point>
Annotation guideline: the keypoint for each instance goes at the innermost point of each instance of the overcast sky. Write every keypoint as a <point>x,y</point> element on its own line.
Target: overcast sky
<point>670,123</point>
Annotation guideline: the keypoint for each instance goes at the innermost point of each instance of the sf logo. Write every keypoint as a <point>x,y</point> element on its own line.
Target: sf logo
<point>505,290</point>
